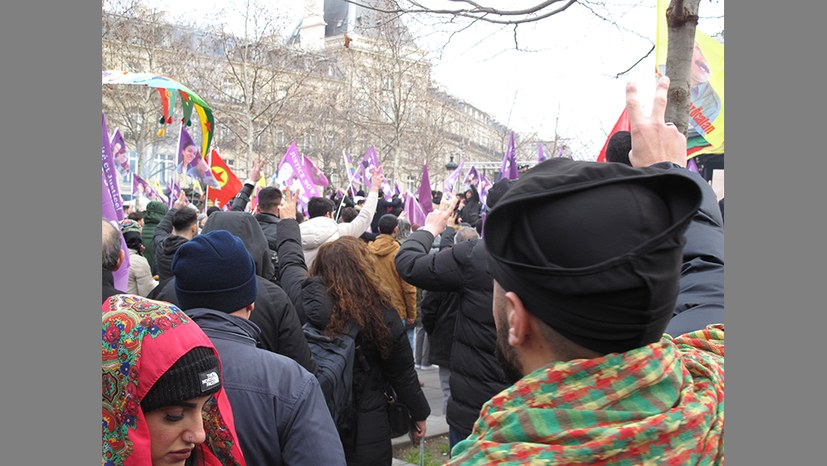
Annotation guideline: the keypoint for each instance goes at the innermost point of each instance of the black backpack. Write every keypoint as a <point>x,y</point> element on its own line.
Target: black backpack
<point>335,359</point>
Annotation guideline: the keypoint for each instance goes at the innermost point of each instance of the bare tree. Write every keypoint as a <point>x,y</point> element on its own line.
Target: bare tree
<point>681,17</point>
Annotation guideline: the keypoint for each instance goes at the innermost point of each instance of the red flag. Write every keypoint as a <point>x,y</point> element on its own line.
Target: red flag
<point>621,125</point>
<point>229,183</point>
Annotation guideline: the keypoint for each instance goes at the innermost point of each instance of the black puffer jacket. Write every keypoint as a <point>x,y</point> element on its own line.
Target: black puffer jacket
<point>439,314</point>
<point>155,212</point>
<point>369,444</point>
<point>476,375</point>
<point>701,297</point>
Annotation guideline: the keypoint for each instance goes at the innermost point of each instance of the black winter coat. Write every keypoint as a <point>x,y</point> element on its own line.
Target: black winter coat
<point>166,245</point>
<point>439,314</point>
<point>369,443</point>
<point>476,375</point>
<point>701,297</point>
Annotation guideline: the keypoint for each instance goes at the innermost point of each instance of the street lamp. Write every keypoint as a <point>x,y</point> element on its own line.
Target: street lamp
<point>451,165</point>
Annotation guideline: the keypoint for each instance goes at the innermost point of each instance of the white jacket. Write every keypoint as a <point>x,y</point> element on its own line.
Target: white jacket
<point>320,230</point>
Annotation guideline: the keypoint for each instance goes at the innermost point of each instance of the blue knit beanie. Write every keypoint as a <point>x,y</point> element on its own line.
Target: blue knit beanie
<point>214,271</point>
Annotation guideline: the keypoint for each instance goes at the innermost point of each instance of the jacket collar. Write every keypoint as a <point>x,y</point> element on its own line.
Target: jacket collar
<point>209,319</point>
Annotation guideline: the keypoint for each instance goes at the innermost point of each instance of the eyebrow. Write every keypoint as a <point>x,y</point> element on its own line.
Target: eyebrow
<point>185,404</point>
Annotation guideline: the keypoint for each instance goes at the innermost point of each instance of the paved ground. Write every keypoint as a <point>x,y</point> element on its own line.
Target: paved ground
<point>436,421</point>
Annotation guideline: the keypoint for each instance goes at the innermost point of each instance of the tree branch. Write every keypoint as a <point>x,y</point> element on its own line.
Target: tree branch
<point>636,63</point>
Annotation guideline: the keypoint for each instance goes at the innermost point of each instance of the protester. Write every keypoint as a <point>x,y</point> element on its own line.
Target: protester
<point>275,314</point>
<point>140,275</point>
<point>138,216</point>
<point>383,207</point>
<point>269,199</point>
<point>280,412</point>
<point>401,293</point>
<point>439,313</point>
<point>580,316</point>
<point>343,287</point>
<point>154,213</point>
<point>348,215</point>
<point>162,401</point>
<point>476,375</point>
<point>470,212</point>
<point>112,257</point>
<point>322,228</point>
<point>179,225</point>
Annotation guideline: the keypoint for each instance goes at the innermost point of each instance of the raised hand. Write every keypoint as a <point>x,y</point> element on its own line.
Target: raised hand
<point>287,208</point>
<point>376,180</point>
<point>255,172</point>
<point>436,221</point>
<point>653,139</point>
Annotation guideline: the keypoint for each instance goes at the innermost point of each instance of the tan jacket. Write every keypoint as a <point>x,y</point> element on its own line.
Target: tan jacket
<point>403,294</point>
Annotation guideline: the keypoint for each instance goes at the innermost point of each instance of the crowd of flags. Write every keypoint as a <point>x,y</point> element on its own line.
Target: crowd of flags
<point>293,169</point>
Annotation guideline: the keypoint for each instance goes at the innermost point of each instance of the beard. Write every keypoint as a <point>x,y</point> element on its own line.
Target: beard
<point>507,357</point>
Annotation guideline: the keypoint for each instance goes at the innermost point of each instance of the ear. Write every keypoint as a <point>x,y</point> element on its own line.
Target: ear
<point>396,231</point>
<point>121,256</point>
<point>519,320</point>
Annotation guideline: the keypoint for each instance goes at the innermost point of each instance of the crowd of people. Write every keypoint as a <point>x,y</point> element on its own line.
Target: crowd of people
<point>576,316</point>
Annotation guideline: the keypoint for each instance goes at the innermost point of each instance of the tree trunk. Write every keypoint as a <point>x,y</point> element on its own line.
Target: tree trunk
<point>681,20</point>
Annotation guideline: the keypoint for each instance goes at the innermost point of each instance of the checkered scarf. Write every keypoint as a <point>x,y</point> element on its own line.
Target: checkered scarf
<point>660,404</point>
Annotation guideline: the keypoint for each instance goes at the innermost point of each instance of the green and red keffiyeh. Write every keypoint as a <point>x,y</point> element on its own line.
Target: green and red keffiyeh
<point>141,339</point>
<point>660,404</point>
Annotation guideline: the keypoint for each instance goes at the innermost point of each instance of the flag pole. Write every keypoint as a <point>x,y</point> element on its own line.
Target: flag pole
<point>349,183</point>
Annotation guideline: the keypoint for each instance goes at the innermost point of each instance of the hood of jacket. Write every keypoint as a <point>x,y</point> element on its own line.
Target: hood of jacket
<point>317,231</point>
<point>245,226</point>
<point>171,244</point>
<point>155,212</point>
<point>383,245</point>
<point>238,327</point>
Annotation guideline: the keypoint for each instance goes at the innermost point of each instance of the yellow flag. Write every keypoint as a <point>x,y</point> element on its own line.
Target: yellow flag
<point>705,133</point>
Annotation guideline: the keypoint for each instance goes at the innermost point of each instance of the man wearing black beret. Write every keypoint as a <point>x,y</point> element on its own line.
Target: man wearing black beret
<point>586,259</point>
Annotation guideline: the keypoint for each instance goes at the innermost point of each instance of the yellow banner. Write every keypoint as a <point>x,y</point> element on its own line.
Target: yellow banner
<point>705,134</point>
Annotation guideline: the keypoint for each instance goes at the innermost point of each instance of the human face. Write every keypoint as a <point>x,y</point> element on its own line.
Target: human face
<point>189,154</point>
<point>174,431</point>
<point>505,353</point>
<point>700,67</point>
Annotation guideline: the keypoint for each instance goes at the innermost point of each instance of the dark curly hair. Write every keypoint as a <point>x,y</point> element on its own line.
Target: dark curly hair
<point>347,270</point>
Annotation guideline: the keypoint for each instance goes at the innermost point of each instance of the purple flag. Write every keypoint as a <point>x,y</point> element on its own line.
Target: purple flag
<point>542,157</point>
<point>370,163</point>
<point>174,192</point>
<point>413,211</point>
<point>396,189</point>
<point>560,152</point>
<point>188,152</point>
<point>508,169</point>
<point>423,194</point>
<point>450,183</point>
<point>109,177</point>
<point>472,178</point>
<point>485,185</point>
<point>110,210</point>
<point>387,191</point>
<point>142,189</point>
<point>692,166</point>
<point>119,153</point>
<point>292,173</point>
<point>317,177</point>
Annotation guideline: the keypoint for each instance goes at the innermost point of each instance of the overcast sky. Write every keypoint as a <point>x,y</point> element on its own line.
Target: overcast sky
<point>562,79</point>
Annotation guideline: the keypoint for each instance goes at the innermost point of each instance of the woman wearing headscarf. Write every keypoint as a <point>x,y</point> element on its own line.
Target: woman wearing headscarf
<point>162,397</point>
<point>140,274</point>
<point>343,287</point>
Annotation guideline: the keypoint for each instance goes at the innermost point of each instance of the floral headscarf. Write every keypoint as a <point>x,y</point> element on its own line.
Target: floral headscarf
<point>142,339</point>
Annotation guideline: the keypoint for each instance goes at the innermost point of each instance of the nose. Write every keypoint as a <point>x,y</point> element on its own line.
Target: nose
<point>196,433</point>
